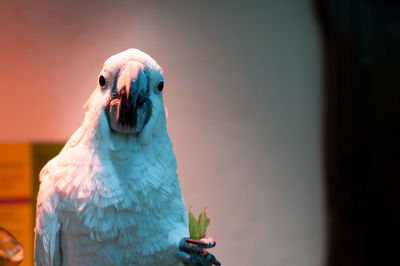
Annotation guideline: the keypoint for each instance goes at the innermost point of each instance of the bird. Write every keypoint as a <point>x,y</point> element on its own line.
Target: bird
<point>112,195</point>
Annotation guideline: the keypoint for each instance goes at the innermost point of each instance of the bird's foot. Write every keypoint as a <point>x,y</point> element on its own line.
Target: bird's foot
<point>193,252</point>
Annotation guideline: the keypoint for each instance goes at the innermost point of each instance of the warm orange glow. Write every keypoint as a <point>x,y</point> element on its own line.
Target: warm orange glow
<point>15,171</point>
<point>16,192</point>
<point>243,97</point>
<point>17,218</point>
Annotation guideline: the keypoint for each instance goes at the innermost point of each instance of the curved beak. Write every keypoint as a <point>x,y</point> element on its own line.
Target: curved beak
<point>129,108</point>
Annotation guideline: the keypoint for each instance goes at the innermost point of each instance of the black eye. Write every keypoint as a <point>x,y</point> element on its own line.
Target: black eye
<point>102,80</point>
<point>161,86</point>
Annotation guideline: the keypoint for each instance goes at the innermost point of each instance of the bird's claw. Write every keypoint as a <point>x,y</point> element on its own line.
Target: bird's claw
<point>193,252</point>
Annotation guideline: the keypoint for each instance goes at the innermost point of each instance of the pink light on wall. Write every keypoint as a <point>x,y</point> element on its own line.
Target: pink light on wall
<point>242,87</point>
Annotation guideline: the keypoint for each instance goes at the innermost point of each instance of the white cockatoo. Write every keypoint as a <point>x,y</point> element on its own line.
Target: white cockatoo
<point>112,196</point>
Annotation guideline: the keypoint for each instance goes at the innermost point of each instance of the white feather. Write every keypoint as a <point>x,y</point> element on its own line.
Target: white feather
<point>108,198</point>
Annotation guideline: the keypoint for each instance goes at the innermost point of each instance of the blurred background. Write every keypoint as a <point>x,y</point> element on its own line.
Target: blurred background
<point>268,102</point>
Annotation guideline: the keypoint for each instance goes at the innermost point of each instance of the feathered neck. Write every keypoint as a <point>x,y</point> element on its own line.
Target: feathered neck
<point>95,160</point>
<point>95,132</point>
<point>94,147</point>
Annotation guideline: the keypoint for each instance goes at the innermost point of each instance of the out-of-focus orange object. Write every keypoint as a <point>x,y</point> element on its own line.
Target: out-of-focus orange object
<point>16,171</point>
<point>20,164</point>
<point>11,251</point>
<point>16,195</point>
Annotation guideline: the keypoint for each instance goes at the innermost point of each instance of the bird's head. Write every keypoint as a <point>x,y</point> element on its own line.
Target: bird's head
<point>129,94</point>
<point>133,81</point>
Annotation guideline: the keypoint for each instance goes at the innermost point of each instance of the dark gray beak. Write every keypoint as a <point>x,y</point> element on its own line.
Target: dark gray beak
<point>129,108</point>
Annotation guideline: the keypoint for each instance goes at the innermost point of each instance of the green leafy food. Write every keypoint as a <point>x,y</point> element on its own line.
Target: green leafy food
<point>197,228</point>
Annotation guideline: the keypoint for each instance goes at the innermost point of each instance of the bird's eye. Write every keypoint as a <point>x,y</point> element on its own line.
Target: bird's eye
<point>102,81</point>
<point>160,86</point>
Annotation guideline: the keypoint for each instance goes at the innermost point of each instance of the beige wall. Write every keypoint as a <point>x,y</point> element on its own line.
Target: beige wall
<point>243,89</point>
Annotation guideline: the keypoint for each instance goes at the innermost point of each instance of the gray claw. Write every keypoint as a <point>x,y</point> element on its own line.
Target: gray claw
<point>192,252</point>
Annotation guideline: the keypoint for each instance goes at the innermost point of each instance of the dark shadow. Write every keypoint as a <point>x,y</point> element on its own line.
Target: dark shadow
<point>361,42</point>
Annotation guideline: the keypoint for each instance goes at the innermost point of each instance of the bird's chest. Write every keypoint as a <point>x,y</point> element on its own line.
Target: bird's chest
<point>113,238</point>
<point>121,214</point>
<point>105,207</point>
<point>122,220</point>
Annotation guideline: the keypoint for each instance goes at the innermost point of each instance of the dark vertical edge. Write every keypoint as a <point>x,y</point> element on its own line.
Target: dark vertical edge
<point>361,41</point>
<point>319,11</point>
